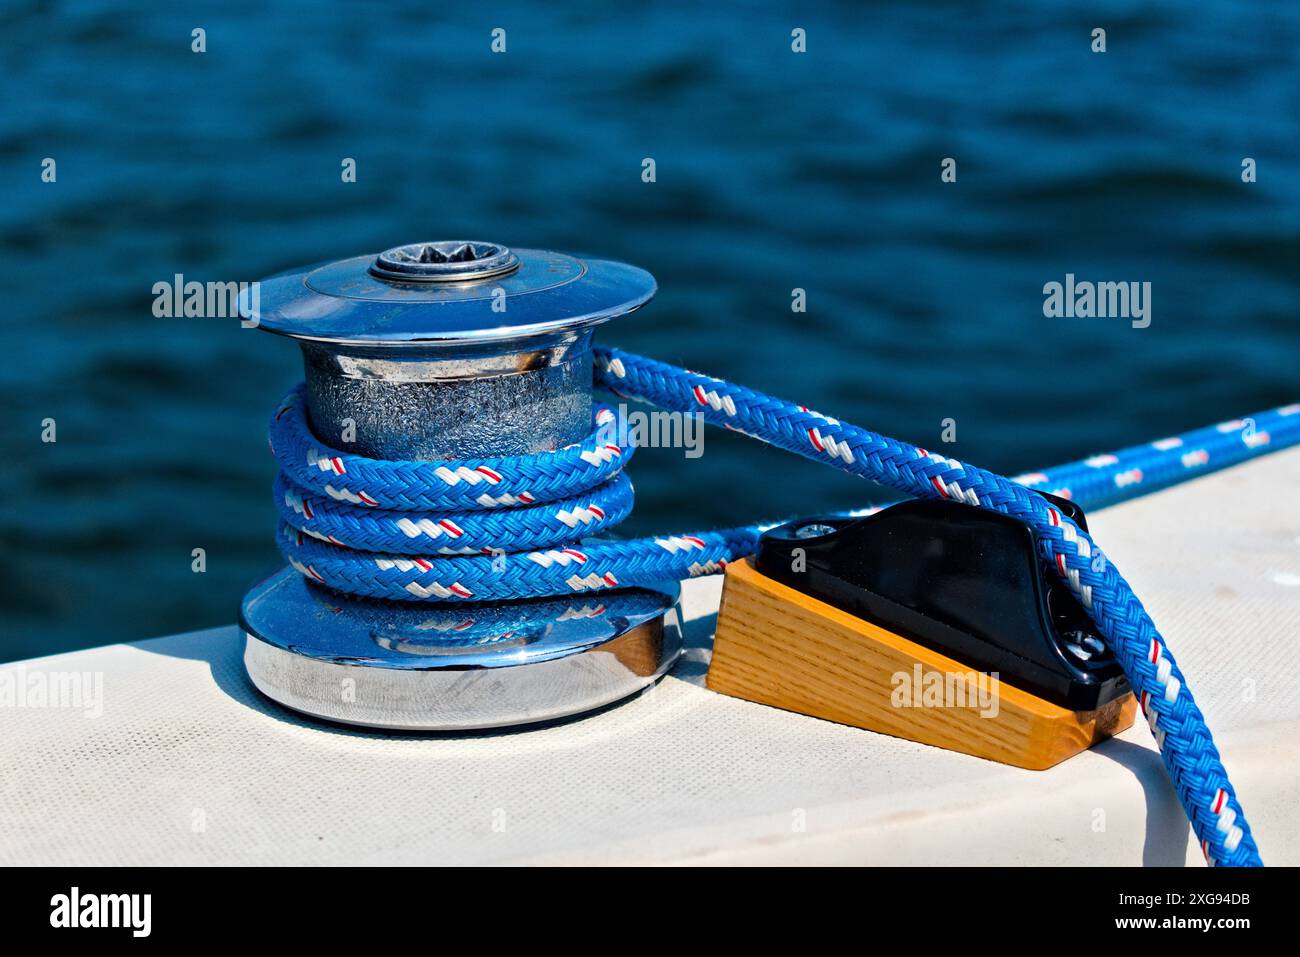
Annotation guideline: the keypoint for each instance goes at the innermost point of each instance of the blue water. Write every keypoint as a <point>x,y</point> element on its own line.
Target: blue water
<point>775,171</point>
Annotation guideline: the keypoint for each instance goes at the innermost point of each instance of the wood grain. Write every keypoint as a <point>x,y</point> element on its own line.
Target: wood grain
<point>779,647</point>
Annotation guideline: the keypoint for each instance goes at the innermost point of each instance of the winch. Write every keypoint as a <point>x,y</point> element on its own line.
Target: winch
<point>445,352</point>
<point>446,480</point>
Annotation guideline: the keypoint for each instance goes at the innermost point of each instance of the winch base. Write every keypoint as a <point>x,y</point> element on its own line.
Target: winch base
<point>413,667</point>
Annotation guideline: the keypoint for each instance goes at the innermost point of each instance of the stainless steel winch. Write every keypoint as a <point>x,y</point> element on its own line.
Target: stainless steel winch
<point>435,351</point>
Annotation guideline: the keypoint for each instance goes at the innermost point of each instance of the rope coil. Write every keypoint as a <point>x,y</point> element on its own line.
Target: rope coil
<point>505,527</point>
<point>502,528</point>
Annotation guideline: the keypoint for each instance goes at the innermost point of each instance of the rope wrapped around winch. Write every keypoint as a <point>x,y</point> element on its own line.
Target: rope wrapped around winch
<point>514,527</point>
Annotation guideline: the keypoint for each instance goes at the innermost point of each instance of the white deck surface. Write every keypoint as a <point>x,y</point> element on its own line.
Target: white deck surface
<point>189,765</point>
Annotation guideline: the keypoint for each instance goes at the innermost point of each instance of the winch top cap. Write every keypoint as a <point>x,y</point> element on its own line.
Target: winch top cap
<point>458,260</point>
<point>452,292</point>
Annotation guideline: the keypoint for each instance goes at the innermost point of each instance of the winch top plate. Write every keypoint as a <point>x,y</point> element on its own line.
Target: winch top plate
<point>345,302</point>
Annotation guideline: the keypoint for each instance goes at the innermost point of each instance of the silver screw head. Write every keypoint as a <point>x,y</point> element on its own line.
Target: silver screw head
<point>814,530</point>
<point>454,260</point>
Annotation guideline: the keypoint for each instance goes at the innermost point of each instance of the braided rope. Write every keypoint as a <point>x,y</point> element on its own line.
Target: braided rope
<point>504,527</point>
<point>1141,469</point>
<point>454,533</point>
<point>512,527</point>
<point>580,567</point>
<point>1180,731</point>
<point>502,481</point>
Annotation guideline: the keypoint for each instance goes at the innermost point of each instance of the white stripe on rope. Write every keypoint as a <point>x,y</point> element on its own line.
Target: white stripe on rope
<point>427,526</point>
<point>325,463</point>
<point>299,504</point>
<point>464,473</point>
<point>435,590</point>
<point>571,517</point>
<point>1227,818</point>
<point>1131,477</point>
<point>718,403</point>
<point>1030,478</point>
<point>506,499</point>
<point>1085,552</point>
<point>306,570</point>
<point>579,583</point>
<point>558,556</point>
<point>697,569</point>
<point>601,455</point>
<point>827,444</point>
<point>949,489</point>
<point>679,543</point>
<point>346,495</point>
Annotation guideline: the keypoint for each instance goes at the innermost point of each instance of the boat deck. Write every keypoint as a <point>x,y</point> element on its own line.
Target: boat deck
<point>188,764</point>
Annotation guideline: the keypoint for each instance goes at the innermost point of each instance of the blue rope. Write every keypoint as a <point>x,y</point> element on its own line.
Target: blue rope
<point>455,533</point>
<point>493,482</point>
<point>515,527</point>
<point>1142,469</point>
